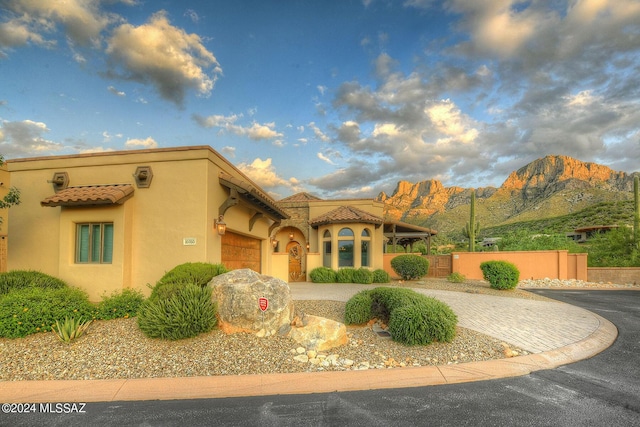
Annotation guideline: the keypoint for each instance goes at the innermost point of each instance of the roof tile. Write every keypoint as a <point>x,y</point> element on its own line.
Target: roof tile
<point>346,214</point>
<point>90,195</point>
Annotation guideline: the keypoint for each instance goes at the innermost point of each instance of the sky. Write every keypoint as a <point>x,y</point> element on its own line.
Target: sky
<point>338,98</point>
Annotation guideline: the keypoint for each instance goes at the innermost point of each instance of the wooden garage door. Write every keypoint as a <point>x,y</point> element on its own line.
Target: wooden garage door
<point>241,252</point>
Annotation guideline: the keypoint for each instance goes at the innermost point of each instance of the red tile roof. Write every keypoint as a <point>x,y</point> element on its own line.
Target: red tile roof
<point>345,214</point>
<point>300,197</point>
<point>90,195</point>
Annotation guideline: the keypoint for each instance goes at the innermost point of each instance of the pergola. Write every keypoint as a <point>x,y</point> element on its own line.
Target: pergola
<point>404,234</point>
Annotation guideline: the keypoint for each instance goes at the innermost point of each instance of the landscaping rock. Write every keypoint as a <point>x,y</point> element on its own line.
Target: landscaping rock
<point>318,333</point>
<point>237,294</point>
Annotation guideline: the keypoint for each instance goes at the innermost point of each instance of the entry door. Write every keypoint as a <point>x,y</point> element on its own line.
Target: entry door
<point>295,261</point>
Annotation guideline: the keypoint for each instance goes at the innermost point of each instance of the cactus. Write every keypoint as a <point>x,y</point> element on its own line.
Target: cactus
<point>473,227</point>
<point>636,213</point>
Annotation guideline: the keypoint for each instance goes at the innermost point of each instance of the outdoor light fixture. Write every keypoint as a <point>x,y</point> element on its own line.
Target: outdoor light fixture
<point>308,246</point>
<point>274,243</point>
<point>221,226</point>
<point>291,236</point>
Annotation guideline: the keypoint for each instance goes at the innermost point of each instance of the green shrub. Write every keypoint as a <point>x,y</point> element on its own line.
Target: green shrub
<point>410,267</point>
<point>323,275</point>
<point>456,278</point>
<point>120,304</point>
<point>362,275</point>
<point>19,279</point>
<point>195,273</point>
<point>500,274</point>
<point>185,313</point>
<point>413,318</point>
<point>30,310</point>
<point>381,276</point>
<point>422,323</point>
<point>358,308</point>
<point>345,275</point>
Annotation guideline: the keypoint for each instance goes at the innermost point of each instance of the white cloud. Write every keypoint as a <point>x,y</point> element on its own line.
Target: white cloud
<point>325,158</point>
<point>165,56</point>
<point>148,142</point>
<point>263,173</point>
<point>116,92</point>
<point>318,133</point>
<point>228,151</point>
<point>25,138</point>
<point>255,131</point>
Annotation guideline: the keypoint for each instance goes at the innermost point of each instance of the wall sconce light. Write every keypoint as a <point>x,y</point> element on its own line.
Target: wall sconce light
<point>308,246</point>
<point>221,226</point>
<point>274,243</point>
<point>291,236</point>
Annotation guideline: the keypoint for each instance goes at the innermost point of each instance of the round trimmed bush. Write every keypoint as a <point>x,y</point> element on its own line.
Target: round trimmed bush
<point>422,323</point>
<point>196,273</point>
<point>345,275</point>
<point>32,309</point>
<point>184,313</point>
<point>456,278</point>
<point>19,279</point>
<point>381,276</point>
<point>362,275</point>
<point>410,267</point>
<point>500,274</point>
<point>323,275</point>
<point>358,308</point>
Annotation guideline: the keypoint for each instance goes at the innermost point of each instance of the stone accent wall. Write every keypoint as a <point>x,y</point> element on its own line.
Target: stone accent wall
<point>617,275</point>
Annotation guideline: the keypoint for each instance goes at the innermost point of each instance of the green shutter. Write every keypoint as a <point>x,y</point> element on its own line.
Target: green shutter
<point>107,244</point>
<point>83,243</point>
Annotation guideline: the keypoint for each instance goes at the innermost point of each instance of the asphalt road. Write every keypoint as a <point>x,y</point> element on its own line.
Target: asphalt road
<point>601,391</point>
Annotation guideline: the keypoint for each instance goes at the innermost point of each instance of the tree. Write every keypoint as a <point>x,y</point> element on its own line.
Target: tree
<point>11,198</point>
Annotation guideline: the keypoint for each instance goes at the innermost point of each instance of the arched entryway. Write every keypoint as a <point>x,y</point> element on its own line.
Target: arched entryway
<point>294,249</point>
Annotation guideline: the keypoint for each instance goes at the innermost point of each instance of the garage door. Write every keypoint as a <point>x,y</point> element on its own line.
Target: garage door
<point>240,251</point>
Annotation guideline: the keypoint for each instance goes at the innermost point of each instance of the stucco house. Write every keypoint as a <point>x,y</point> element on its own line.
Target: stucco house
<point>114,220</point>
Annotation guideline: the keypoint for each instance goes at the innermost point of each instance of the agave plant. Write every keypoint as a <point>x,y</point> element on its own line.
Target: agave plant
<point>70,329</point>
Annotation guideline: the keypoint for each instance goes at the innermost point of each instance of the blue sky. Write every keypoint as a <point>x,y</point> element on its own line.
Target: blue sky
<point>340,98</point>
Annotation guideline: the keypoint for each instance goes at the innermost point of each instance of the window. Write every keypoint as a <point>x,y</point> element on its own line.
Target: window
<point>94,243</point>
<point>326,249</point>
<point>345,248</point>
<point>365,246</point>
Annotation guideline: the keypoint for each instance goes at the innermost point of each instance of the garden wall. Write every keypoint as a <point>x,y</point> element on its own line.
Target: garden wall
<point>531,264</point>
<point>618,275</point>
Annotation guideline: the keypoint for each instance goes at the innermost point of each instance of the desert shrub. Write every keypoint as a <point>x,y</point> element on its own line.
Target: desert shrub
<point>345,275</point>
<point>456,278</point>
<point>19,279</point>
<point>323,275</point>
<point>381,276</point>
<point>362,275</point>
<point>120,304</point>
<point>500,274</point>
<point>358,308</point>
<point>185,313</point>
<point>413,318</point>
<point>195,273</point>
<point>410,267</point>
<point>422,323</point>
<point>30,310</point>
<point>70,329</point>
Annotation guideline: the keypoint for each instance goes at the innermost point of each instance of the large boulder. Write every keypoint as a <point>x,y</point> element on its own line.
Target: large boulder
<point>237,295</point>
<point>318,333</point>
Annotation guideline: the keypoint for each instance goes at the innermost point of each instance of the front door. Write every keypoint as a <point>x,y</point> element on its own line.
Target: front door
<point>295,262</point>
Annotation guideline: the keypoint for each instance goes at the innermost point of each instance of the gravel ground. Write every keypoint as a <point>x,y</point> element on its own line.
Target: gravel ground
<point>118,349</point>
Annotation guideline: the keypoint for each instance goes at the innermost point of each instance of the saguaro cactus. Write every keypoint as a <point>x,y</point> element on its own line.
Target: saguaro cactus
<point>472,226</point>
<point>636,213</point>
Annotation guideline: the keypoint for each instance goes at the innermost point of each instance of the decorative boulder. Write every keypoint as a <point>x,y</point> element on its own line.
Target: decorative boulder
<point>238,294</point>
<point>318,333</point>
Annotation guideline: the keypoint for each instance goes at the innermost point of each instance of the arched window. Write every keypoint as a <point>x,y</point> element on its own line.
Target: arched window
<point>326,249</point>
<point>345,247</point>
<point>365,248</point>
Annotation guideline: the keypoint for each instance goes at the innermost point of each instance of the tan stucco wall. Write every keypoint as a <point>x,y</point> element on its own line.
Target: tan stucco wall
<point>149,228</point>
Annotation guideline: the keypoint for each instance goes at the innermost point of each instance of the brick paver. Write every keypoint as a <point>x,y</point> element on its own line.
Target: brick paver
<point>534,326</point>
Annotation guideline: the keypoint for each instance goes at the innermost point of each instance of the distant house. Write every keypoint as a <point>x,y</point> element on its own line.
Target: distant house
<point>113,220</point>
<point>583,234</point>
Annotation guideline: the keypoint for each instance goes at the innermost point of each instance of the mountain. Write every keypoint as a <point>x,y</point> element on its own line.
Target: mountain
<point>547,187</point>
